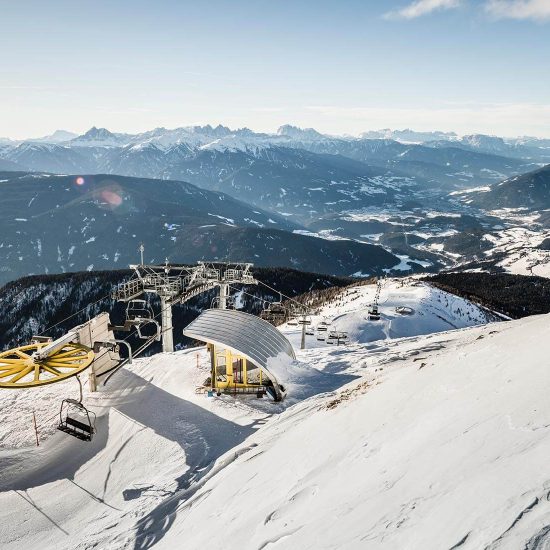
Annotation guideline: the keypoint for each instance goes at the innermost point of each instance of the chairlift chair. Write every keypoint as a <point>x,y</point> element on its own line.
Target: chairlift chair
<point>294,314</point>
<point>373,314</point>
<point>274,312</point>
<point>76,420</point>
<point>322,326</point>
<point>144,336</point>
<point>229,303</point>
<point>138,310</point>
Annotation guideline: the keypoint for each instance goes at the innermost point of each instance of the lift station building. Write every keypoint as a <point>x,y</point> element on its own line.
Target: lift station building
<point>241,347</point>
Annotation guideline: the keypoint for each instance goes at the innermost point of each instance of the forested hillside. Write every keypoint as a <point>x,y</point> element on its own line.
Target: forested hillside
<point>33,304</point>
<point>513,295</point>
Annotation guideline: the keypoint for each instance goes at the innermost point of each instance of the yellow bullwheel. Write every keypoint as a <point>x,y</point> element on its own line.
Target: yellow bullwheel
<point>22,367</point>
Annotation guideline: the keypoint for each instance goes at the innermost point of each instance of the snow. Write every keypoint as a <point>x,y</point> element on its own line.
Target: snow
<point>419,440</point>
<point>519,246</point>
<point>433,311</point>
<point>405,263</point>
<point>230,221</point>
<point>416,458</point>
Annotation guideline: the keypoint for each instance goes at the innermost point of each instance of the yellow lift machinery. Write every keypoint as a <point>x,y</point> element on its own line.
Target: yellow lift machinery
<point>35,365</point>
<point>90,346</point>
<point>234,373</point>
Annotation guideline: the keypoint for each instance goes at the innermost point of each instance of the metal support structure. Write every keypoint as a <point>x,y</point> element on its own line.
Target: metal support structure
<point>224,293</point>
<point>176,284</point>
<point>56,345</point>
<point>166,324</point>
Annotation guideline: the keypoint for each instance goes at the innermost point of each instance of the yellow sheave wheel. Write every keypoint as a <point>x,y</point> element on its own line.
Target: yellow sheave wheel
<point>18,369</point>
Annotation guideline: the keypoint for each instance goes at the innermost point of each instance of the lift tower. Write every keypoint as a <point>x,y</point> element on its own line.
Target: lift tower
<point>176,284</point>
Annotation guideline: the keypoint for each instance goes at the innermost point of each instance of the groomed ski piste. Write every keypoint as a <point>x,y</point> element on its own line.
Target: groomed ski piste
<point>429,431</point>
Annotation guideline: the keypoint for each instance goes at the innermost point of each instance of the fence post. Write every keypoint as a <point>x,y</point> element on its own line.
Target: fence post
<point>35,428</point>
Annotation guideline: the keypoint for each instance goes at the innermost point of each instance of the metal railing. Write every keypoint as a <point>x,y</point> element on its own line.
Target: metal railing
<point>128,290</point>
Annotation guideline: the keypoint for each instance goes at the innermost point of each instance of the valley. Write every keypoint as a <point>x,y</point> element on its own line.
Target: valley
<point>298,198</point>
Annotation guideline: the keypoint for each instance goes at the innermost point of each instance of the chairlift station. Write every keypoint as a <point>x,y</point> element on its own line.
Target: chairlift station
<point>177,284</point>
<point>246,342</point>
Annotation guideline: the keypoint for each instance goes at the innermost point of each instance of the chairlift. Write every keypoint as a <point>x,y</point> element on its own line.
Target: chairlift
<point>337,336</point>
<point>342,335</point>
<point>76,420</point>
<point>139,310</point>
<point>322,326</point>
<point>274,312</point>
<point>143,336</point>
<point>310,331</point>
<point>294,314</point>
<point>373,314</point>
<point>229,303</point>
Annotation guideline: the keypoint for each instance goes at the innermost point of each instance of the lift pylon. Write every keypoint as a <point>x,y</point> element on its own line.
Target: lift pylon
<point>176,284</point>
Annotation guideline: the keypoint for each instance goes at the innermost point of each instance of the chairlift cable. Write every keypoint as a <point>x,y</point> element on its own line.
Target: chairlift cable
<point>74,314</point>
<point>287,297</point>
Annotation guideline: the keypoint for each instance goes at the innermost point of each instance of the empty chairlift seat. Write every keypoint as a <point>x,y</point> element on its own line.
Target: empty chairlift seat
<point>76,420</point>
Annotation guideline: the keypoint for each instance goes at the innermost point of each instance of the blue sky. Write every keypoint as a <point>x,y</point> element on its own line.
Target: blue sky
<point>340,66</point>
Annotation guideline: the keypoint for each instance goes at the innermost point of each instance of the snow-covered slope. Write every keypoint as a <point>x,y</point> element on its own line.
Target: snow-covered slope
<point>446,452</point>
<point>428,441</point>
<point>430,310</point>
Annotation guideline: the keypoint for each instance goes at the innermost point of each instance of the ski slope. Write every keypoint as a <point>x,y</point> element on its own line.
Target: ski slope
<point>448,448</point>
<point>411,441</point>
<point>433,310</point>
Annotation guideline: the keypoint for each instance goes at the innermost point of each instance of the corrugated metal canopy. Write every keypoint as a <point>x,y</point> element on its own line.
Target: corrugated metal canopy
<point>252,337</point>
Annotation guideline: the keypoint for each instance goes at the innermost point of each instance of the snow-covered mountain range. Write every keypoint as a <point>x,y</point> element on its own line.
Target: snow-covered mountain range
<point>421,196</point>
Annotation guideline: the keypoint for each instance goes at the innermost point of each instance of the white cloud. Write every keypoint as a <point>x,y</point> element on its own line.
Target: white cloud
<point>519,9</point>
<point>422,7</point>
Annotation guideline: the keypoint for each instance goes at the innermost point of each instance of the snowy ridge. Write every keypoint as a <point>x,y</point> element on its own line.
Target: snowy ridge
<point>427,465</point>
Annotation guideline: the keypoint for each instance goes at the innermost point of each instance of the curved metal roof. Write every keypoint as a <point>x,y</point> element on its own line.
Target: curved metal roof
<point>252,337</point>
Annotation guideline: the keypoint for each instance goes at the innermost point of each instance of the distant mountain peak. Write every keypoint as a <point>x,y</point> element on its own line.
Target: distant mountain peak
<point>98,133</point>
<point>59,136</point>
<point>298,133</point>
<point>409,135</point>
<point>98,137</point>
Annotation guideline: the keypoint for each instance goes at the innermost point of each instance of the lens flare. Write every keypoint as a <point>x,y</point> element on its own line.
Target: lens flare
<point>80,180</point>
<point>111,197</point>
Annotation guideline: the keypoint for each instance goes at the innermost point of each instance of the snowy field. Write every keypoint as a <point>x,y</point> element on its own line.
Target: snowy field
<point>520,245</point>
<point>432,310</point>
<point>411,436</point>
